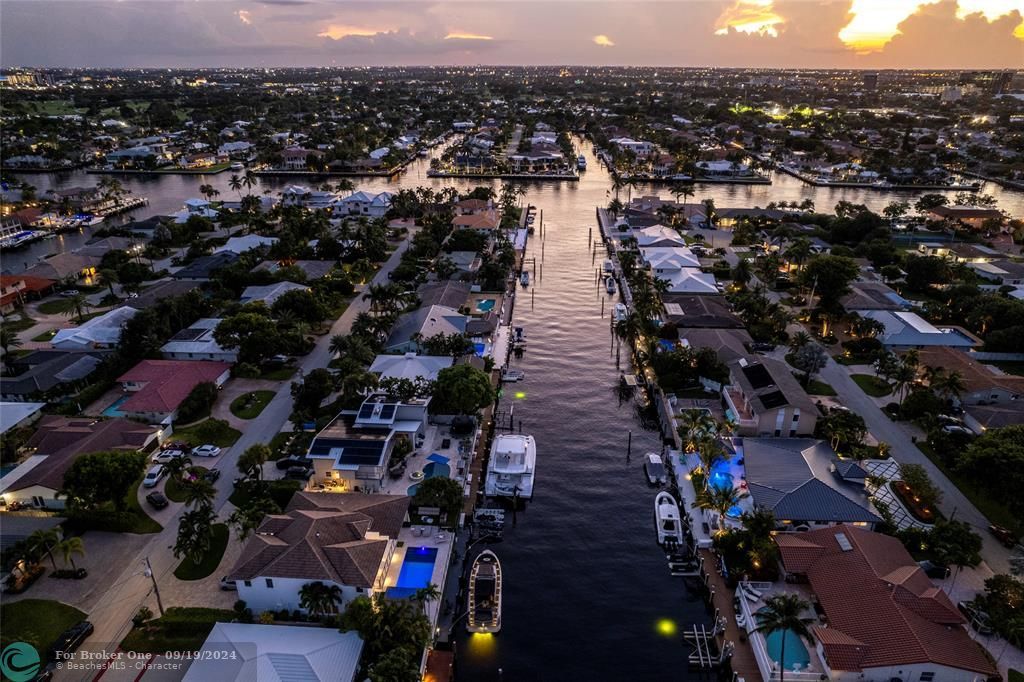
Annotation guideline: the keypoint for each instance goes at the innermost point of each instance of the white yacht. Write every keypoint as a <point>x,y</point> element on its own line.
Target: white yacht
<point>609,284</point>
<point>510,471</point>
<point>620,312</point>
<point>485,594</point>
<point>237,166</point>
<point>666,516</point>
<point>581,162</point>
<point>655,469</point>
<point>509,374</point>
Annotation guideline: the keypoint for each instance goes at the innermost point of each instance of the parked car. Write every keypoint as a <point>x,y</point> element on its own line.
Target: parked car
<point>226,584</point>
<point>947,419</point>
<point>206,451</point>
<point>157,500</point>
<point>165,456</point>
<point>68,293</point>
<point>289,462</point>
<point>153,476</point>
<point>70,640</point>
<point>761,347</point>
<point>933,570</point>
<point>211,475</point>
<point>977,618</point>
<point>298,473</point>
<point>1006,536</point>
<point>957,429</point>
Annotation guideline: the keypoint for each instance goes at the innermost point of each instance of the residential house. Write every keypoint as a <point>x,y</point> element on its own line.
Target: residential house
<point>641,148</point>
<point>666,260</point>
<point>57,443</point>
<point>447,294</point>
<point>202,268</point>
<point>197,343</point>
<point>729,344</point>
<point>960,253</point>
<point>424,323</point>
<point>158,292</point>
<point>249,242</point>
<point>313,199</point>
<point>482,220</point>
<point>874,296</point>
<point>658,236</point>
<point>465,262</point>
<point>16,289</point>
<point>905,330</point>
<point>970,216</point>
<point>51,373</point>
<point>687,311</point>
<point>805,484</point>
<point>689,281</point>
<point>65,267</point>
<point>991,398</point>
<point>1004,272</point>
<point>313,269</point>
<point>364,204</point>
<point>103,331</point>
<point>471,206</point>
<point>240,652</point>
<point>341,540</point>
<point>409,366</point>
<point>765,399</point>
<point>269,293</point>
<point>880,617</point>
<point>298,158</point>
<point>17,415</point>
<point>158,387</point>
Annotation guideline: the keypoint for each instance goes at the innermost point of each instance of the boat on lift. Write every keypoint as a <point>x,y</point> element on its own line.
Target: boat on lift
<point>666,515</point>
<point>485,594</point>
<point>609,284</point>
<point>524,278</point>
<point>654,467</point>
<point>620,312</point>
<point>581,162</point>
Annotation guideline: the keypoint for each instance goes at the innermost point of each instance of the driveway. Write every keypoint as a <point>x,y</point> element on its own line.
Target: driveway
<point>113,612</point>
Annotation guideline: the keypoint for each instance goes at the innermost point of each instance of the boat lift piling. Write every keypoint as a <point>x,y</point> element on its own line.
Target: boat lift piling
<point>629,445</point>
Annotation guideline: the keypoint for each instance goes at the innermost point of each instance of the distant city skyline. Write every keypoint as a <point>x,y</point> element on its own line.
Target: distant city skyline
<point>869,34</point>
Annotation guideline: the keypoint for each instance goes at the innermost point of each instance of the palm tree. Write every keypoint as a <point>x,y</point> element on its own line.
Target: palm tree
<point>78,305</point>
<point>250,463</point>
<point>903,378</point>
<point>249,180</point>
<point>319,599</point>
<point>427,594</point>
<point>799,340</point>
<point>9,340</point>
<point>799,251</point>
<point>741,273</point>
<point>69,547</point>
<point>176,466</point>
<point>199,493</point>
<point>235,183</point>
<point>110,278</point>
<point>44,542</point>
<point>950,385</point>
<point>710,451</point>
<point>719,499</point>
<point>195,534</point>
<point>693,424</point>
<point>783,613</point>
<point>709,212</point>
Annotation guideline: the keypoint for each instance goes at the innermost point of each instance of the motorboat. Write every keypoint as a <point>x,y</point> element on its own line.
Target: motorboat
<point>609,284</point>
<point>608,266</point>
<point>510,471</point>
<point>524,278</point>
<point>509,374</point>
<point>666,515</point>
<point>519,337</point>
<point>620,312</point>
<point>581,162</point>
<point>655,469</point>
<point>237,166</point>
<point>485,594</point>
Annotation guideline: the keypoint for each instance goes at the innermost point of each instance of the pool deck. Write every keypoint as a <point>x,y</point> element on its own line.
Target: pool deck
<point>413,537</point>
<point>418,459</point>
<point>757,642</point>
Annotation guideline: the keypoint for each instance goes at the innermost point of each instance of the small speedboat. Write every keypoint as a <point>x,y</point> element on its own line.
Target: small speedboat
<point>518,337</point>
<point>485,594</point>
<point>667,520</point>
<point>509,374</point>
<point>608,266</point>
<point>237,166</point>
<point>609,285</point>
<point>655,469</point>
<point>581,162</point>
<point>524,278</point>
<point>620,312</point>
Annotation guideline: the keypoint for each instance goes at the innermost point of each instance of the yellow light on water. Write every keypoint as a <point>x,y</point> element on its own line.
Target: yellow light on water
<point>520,395</point>
<point>666,627</point>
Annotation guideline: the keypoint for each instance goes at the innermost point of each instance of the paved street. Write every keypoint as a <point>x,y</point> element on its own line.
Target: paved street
<point>114,610</point>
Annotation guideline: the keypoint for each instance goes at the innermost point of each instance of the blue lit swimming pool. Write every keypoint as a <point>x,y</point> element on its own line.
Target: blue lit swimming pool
<point>112,411</point>
<point>797,657</point>
<point>485,305</point>
<point>430,471</point>
<point>417,571</point>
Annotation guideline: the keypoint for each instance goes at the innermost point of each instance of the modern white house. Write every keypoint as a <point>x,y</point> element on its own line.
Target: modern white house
<point>314,199</point>
<point>905,330</point>
<point>665,259</point>
<point>197,343</point>
<point>269,293</point>
<point>364,204</point>
<point>689,281</point>
<point>240,652</point>
<point>638,147</point>
<point>240,245</point>
<point>337,539</point>
<point>657,236</point>
<point>103,331</point>
<point>424,323</point>
<point>409,366</point>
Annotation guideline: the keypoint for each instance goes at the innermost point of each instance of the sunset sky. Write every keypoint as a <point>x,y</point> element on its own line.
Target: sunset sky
<point>769,33</point>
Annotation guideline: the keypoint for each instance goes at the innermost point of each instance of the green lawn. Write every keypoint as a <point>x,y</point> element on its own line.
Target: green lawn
<point>872,385</point>
<point>36,621</point>
<point>180,629</point>
<point>187,570</point>
<point>994,511</point>
<point>19,324</point>
<point>281,491</point>
<point>280,374</point>
<point>216,431</point>
<point>816,387</point>
<point>45,336</point>
<point>1015,676</point>
<point>249,405</point>
<point>54,307</point>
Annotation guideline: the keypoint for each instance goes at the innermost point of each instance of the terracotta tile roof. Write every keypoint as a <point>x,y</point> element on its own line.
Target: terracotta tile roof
<point>323,536</point>
<point>167,382</point>
<point>487,220</point>
<point>882,609</point>
<point>64,439</point>
<point>976,375</point>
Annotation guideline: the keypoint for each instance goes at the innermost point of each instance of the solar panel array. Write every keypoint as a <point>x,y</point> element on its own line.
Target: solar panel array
<point>353,451</point>
<point>188,334</point>
<point>758,376</point>
<point>773,399</point>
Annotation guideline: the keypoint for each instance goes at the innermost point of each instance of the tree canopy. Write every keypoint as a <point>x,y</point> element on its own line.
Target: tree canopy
<point>461,389</point>
<point>102,477</point>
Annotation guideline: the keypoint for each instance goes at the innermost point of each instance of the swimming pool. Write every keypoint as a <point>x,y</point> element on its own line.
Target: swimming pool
<point>485,305</point>
<point>430,471</point>
<point>112,411</point>
<point>797,657</point>
<point>416,573</point>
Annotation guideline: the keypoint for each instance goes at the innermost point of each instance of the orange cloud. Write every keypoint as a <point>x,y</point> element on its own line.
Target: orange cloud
<point>749,16</point>
<point>339,31</point>
<point>462,35</point>
<point>992,10</point>
<point>603,41</point>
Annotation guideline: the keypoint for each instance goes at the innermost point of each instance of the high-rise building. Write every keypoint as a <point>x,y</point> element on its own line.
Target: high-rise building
<point>871,82</point>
